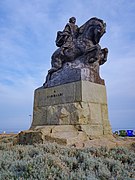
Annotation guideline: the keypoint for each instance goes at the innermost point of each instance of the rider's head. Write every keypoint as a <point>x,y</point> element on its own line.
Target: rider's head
<point>72,20</point>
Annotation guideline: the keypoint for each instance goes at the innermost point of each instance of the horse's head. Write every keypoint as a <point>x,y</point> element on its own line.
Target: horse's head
<point>93,29</point>
<point>99,23</point>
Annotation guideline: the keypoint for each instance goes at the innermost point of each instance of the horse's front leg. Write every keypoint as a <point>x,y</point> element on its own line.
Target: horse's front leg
<point>104,54</point>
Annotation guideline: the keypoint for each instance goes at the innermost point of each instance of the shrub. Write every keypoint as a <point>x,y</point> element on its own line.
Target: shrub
<point>52,161</point>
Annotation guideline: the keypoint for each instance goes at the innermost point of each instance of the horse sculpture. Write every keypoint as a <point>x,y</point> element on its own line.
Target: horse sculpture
<point>82,43</point>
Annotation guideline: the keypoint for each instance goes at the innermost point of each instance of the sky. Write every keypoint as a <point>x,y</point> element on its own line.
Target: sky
<point>27,40</point>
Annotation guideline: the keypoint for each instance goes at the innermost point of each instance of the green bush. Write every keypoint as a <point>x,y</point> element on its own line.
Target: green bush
<point>52,161</point>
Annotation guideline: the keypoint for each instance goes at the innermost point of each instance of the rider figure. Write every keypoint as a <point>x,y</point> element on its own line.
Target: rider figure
<point>68,35</point>
<point>71,30</point>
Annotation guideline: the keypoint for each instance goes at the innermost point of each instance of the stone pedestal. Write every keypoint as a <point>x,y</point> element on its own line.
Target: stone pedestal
<point>81,105</point>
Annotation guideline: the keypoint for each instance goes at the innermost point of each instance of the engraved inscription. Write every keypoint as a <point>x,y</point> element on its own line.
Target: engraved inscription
<point>55,95</point>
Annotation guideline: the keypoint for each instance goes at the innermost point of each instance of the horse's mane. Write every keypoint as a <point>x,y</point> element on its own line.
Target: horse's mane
<point>90,22</point>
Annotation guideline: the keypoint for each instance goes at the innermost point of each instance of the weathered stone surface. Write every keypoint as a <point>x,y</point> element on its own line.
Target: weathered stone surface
<point>68,113</point>
<point>81,103</point>
<point>66,93</point>
<point>29,137</point>
<point>69,93</point>
<point>92,131</point>
<point>63,128</point>
<point>95,113</point>
<point>75,71</point>
<point>62,134</point>
<point>92,92</point>
<point>80,114</point>
<point>106,124</point>
<point>103,141</point>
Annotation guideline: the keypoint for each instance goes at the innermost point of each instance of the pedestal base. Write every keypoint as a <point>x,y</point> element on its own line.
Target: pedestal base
<point>79,103</point>
<point>63,134</point>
